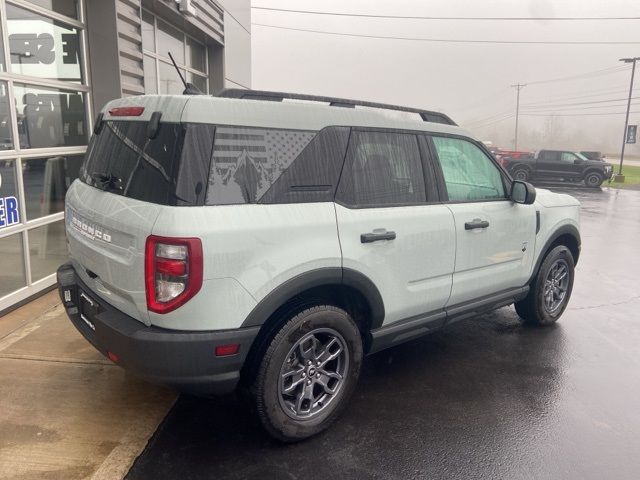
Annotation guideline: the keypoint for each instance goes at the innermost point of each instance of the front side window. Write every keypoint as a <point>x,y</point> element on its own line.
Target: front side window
<point>382,169</point>
<point>568,157</point>
<point>469,174</point>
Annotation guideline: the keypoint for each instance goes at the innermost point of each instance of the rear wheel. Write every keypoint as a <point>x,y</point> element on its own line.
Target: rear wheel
<point>551,289</point>
<point>308,373</point>
<point>521,173</point>
<point>593,179</point>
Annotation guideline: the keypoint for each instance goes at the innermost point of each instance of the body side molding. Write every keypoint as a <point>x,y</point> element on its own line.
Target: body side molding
<point>414,327</point>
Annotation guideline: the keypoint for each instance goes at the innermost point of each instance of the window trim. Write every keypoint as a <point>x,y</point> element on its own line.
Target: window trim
<point>429,186</point>
<point>442,186</point>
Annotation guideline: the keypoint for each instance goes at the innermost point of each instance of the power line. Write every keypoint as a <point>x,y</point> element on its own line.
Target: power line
<point>545,105</point>
<point>572,109</point>
<point>488,124</point>
<point>421,17</point>
<point>489,118</point>
<point>595,73</point>
<point>601,93</point>
<point>572,114</point>
<point>442,40</point>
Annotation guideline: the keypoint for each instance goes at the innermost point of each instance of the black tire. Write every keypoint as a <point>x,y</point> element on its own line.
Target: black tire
<point>534,309</point>
<point>282,415</point>
<point>593,179</point>
<point>521,173</point>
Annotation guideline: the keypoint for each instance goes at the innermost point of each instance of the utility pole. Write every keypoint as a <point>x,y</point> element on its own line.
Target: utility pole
<point>620,177</point>
<point>518,87</point>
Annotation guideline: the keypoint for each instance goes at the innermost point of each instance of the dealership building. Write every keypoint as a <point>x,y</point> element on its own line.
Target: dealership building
<point>60,62</point>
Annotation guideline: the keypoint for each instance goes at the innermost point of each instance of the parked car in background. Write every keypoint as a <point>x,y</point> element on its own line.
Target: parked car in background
<point>557,165</point>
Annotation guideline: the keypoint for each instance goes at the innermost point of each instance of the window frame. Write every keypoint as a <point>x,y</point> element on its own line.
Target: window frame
<point>428,175</point>
<point>18,154</point>
<point>442,186</point>
<point>158,58</point>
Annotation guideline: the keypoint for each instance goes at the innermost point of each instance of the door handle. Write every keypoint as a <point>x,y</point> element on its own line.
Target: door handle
<point>376,237</point>
<point>476,223</point>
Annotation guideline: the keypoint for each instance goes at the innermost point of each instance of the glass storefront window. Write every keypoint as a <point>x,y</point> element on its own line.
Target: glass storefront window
<point>195,55</point>
<point>49,117</point>
<point>42,47</point>
<point>47,249</point>
<point>189,54</point>
<point>170,82</point>
<point>46,181</point>
<point>6,141</point>
<point>170,40</point>
<point>12,274</point>
<point>63,7</point>
<point>198,80</point>
<point>9,199</point>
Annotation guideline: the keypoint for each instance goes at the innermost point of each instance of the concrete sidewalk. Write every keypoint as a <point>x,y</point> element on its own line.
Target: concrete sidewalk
<point>66,412</point>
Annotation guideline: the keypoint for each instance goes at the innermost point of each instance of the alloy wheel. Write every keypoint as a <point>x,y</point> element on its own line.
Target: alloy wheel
<point>556,285</point>
<point>313,373</point>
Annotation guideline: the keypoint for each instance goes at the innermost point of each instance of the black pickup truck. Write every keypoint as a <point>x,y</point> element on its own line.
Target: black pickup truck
<point>557,165</point>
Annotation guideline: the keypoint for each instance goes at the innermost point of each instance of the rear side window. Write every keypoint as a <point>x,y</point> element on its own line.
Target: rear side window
<point>170,169</point>
<point>382,169</point>
<point>469,174</point>
<point>248,161</point>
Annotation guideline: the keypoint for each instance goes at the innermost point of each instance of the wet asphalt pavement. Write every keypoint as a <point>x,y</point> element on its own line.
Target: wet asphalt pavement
<point>483,398</point>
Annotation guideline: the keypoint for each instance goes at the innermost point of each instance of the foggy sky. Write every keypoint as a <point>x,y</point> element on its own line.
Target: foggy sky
<point>469,82</point>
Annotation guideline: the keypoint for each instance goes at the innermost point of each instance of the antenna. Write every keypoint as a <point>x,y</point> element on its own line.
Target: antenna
<point>189,88</point>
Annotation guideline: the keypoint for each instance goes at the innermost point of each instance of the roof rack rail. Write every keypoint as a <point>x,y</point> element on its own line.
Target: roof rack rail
<point>426,115</point>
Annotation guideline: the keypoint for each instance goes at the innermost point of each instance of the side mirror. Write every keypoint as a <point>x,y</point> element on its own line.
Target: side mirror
<point>523,192</point>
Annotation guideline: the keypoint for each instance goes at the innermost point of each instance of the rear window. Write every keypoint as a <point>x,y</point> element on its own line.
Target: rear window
<point>170,169</point>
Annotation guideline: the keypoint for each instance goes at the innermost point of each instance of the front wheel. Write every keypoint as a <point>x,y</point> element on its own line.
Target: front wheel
<point>593,179</point>
<point>308,373</point>
<point>551,289</point>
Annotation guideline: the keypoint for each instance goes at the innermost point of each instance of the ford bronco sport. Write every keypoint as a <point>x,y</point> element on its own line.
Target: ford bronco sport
<point>265,242</point>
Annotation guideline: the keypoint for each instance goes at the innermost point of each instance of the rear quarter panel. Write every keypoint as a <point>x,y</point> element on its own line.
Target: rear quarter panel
<point>248,250</point>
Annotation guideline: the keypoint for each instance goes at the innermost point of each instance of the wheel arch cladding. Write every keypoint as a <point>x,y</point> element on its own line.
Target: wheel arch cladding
<point>567,235</point>
<point>344,288</point>
<point>322,280</point>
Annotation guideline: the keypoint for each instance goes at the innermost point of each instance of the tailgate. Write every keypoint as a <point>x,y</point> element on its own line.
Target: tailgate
<point>127,177</point>
<point>106,235</point>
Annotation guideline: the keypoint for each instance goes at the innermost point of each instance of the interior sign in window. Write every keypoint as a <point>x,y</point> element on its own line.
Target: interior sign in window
<point>9,214</point>
<point>41,47</point>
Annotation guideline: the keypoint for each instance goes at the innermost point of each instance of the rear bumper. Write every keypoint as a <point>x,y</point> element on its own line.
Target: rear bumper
<point>181,359</point>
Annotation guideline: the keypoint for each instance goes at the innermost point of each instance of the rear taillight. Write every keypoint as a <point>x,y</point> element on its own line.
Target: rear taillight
<point>173,271</point>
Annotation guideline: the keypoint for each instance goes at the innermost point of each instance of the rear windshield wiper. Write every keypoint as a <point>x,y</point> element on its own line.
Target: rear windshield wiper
<point>107,181</point>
